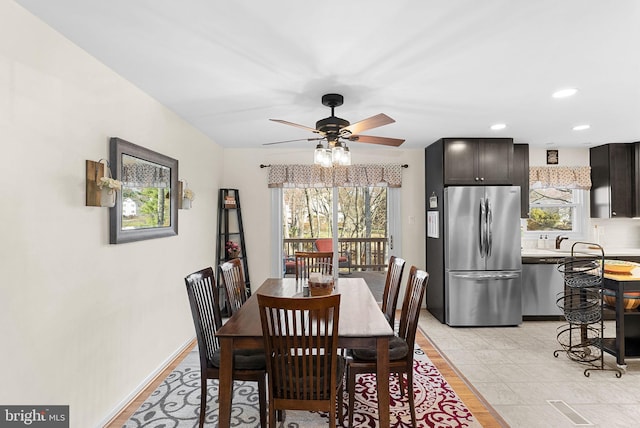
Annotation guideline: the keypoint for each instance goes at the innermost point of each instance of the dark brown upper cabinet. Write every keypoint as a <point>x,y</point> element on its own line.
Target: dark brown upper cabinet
<point>478,162</point>
<point>521,176</point>
<point>636,179</point>
<point>613,180</point>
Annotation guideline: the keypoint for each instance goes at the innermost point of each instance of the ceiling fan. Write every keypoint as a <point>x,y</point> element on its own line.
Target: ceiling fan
<point>333,128</point>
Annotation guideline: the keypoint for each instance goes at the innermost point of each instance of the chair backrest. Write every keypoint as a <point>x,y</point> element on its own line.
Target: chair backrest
<point>205,310</point>
<point>301,342</point>
<point>392,288</point>
<point>414,294</point>
<point>313,261</point>
<point>324,244</point>
<point>233,279</point>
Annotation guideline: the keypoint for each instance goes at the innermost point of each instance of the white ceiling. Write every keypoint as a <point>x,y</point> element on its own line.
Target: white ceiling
<point>445,68</point>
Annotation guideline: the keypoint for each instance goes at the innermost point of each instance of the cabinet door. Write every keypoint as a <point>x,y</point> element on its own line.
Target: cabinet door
<point>521,176</point>
<point>495,164</point>
<point>620,173</point>
<point>636,179</point>
<point>461,162</point>
<point>612,175</point>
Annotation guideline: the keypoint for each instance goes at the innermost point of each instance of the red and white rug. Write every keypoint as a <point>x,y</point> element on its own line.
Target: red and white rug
<point>175,403</point>
<point>437,405</point>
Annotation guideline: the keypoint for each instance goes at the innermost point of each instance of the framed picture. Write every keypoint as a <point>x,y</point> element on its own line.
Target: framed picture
<point>552,157</point>
<point>147,206</point>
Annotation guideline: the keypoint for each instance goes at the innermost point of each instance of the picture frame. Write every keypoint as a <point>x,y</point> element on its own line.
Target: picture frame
<point>147,205</point>
<point>552,157</point>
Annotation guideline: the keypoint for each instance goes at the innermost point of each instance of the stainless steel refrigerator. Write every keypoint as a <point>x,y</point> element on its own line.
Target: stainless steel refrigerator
<point>482,256</point>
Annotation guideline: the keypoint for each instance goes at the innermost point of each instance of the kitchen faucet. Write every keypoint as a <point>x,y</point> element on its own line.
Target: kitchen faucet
<point>559,239</point>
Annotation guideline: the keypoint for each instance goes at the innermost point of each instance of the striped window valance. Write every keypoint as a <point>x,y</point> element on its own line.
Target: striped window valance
<point>573,177</point>
<point>383,175</point>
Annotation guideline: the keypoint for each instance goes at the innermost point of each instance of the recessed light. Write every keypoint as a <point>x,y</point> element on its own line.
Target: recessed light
<point>498,126</point>
<point>581,127</point>
<point>564,93</point>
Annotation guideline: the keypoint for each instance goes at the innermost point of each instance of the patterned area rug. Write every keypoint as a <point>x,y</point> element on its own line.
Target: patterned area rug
<point>176,402</point>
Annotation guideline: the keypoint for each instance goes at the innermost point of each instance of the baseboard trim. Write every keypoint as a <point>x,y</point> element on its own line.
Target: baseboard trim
<point>149,380</point>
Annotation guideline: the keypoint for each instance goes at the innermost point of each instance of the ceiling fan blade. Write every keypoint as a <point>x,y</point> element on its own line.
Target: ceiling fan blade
<point>369,123</point>
<point>384,141</point>
<point>292,141</point>
<point>295,124</point>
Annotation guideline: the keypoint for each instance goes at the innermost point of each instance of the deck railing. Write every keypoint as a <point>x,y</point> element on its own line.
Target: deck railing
<point>366,253</point>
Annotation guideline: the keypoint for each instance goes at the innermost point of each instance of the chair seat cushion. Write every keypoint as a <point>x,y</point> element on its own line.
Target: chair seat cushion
<point>398,349</point>
<point>244,359</point>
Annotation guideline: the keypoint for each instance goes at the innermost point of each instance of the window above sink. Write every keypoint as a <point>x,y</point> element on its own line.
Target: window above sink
<point>557,211</point>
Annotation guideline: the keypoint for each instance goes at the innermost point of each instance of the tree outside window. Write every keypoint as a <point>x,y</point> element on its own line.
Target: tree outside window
<point>553,209</point>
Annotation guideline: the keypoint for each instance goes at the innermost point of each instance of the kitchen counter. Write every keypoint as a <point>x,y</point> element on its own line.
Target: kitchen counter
<point>542,282</point>
<point>566,252</point>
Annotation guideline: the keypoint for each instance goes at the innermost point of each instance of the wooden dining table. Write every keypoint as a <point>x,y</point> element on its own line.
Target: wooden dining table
<point>362,325</point>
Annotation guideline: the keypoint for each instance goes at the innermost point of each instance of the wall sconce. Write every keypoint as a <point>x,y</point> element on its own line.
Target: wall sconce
<point>101,188</point>
<point>186,195</point>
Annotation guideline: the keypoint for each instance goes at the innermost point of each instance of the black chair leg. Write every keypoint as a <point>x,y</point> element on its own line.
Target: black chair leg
<point>203,400</point>
<point>262,398</point>
<point>340,413</point>
<point>351,387</point>
<point>412,404</point>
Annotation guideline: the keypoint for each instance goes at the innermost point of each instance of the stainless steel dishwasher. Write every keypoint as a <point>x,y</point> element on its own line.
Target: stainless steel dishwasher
<point>541,283</point>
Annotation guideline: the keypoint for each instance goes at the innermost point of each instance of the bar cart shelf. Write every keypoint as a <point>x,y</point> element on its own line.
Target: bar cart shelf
<point>582,338</point>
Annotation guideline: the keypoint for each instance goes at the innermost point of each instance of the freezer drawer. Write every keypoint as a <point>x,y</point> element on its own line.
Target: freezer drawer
<point>485,298</point>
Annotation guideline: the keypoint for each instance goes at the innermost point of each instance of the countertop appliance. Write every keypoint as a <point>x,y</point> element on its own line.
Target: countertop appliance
<point>482,258</point>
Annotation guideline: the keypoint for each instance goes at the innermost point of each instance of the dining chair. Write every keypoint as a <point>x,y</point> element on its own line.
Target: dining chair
<point>400,347</point>
<point>326,245</point>
<point>301,340</point>
<point>234,285</point>
<point>313,261</point>
<point>249,365</point>
<point>395,270</point>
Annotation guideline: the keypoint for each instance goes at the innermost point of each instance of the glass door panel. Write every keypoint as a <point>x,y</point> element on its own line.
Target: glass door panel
<point>360,214</point>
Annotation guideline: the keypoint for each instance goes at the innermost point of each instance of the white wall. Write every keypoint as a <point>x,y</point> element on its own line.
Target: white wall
<point>566,157</point>
<point>83,322</point>
<point>242,171</point>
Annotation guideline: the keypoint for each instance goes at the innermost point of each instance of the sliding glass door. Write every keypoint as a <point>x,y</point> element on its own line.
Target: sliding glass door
<point>355,219</point>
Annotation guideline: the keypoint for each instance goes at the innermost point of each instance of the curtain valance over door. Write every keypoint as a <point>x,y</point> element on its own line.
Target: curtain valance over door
<point>386,175</point>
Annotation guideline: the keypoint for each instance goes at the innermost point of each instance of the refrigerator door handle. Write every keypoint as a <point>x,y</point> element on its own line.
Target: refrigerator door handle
<point>481,228</point>
<point>489,228</point>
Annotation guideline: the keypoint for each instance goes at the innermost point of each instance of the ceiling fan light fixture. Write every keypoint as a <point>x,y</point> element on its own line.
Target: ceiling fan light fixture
<point>326,159</point>
<point>337,153</point>
<point>346,157</point>
<point>319,154</point>
<point>333,128</point>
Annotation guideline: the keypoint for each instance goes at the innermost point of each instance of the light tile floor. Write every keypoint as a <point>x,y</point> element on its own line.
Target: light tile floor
<point>515,371</point>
